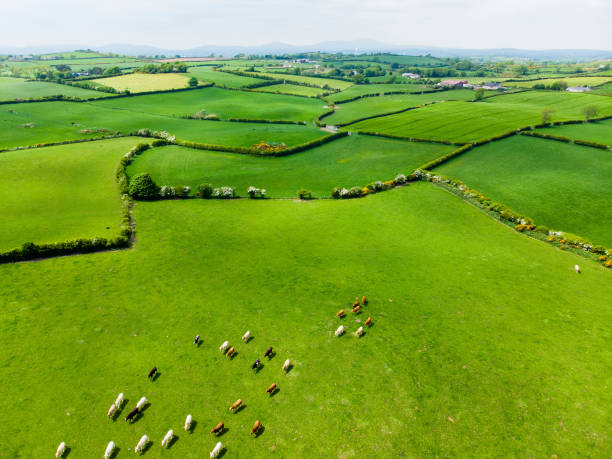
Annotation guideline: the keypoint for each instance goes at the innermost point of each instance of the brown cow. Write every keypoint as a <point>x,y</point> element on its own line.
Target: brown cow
<point>356,309</point>
<point>364,300</point>
<point>356,303</point>
<point>235,405</point>
<point>271,388</point>
<point>340,313</point>
<point>218,428</point>
<point>230,351</point>
<point>368,322</point>
<point>256,427</point>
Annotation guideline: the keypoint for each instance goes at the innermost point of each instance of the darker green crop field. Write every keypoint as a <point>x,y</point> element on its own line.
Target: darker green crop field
<point>16,88</point>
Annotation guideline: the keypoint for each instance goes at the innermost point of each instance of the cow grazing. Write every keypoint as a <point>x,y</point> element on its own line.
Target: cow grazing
<point>339,331</point>
<point>216,450</point>
<point>255,428</point>
<point>218,428</point>
<point>368,322</point>
<point>235,405</point>
<point>246,336</point>
<point>356,303</point>
<point>286,365</point>
<point>111,410</point>
<point>141,403</point>
<point>152,372</point>
<point>132,414</point>
<point>364,300</point>
<point>166,441</point>
<point>188,422</point>
<point>271,388</point>
<point>359,332</point>
<point>141,444</point>
<point>223,347</point>
<point>268,353</point>
<point>109,450</point>
<point>356,309</point>
<point>256,364</point>
<point>61,449</point>
<point>230,351</point>
<point>340,313</point>
<point>196,340</point>
<point>577,269</point>
<point>119,400</point>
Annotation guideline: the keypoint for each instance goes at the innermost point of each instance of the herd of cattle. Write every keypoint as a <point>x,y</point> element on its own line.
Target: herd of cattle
<point>356,310</point>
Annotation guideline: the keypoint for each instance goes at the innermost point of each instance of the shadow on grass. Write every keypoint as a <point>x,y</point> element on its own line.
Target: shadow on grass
<point>222,452</point>
<point>194,424</point>
<point>222,432</point>
<point>258,369</point>
<point>259,431</point>
<point>249,339</point>
<point>141,412</point>
<point>119,409</point>
<point>146,447</point>
<point>289,368</point>
<point>240,408</point>
<point>233,356</point>
<point>172,441</point>
<point>272,355</point>
<point>274,392</point>
<point>155,376</point>
<point>66,452</point>
<point>115,452</point>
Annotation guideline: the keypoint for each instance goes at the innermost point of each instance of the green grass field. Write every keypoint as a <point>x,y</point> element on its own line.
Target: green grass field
<point>472,322</point>
<point>222,102</point>
<point>350,161</point>
<point>571,81</point>
<point>320,82</point>
<point>17,88</point>
<point>562,186</point>
<point>363,89</point>
<point>284,88</point>
<point>207,75</point>
<point>604,90</point>
<point>61,193</point>
<point>598,131</point>
<point>142,82</point>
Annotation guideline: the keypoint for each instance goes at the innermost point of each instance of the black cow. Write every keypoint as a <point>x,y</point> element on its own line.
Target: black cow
<point>131,414</point>
<point>255,366</point>
<point>196,340</point>
<point>152,372</point>
<point>268,352</point>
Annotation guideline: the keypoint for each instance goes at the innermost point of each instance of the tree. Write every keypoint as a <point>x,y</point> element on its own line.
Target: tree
<point>143,187</point>
<point>193,82</point>
<point>479,94</point>
<point>590,112</point>
<point>547,114</point>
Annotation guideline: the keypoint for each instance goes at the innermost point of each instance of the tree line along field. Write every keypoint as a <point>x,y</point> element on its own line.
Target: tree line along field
<point>563,186</point>
<point>349,161</point>
<point>424,259</point>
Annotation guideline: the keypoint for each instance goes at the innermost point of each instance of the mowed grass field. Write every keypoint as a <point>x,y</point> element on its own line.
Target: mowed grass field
<point>17,88</point>
<point>224,103</point>
<point>349,161</point>
<point>379,105</point>
<point>58,121</point>
<point>61,193</point>
<point>320,82</point>
<point>571,81</point>
<point>562,186</point>
<point>208,75</point>
<point>142,82</point>
<point>596,131</point>
<point>470,121</point>
<point>284,88</point>
<point>451,367</point>
<point>364,89</point>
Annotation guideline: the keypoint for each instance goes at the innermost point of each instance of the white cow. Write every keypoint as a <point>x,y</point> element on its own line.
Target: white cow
<point>141,444</point>
<point>166,441</point>
<point>111,410</point>
<point>246,336</point>
<point>339,331</point>
<point>577,269</point>
<point>216,450</point>
<point>286,365</point>
<point>359,332</point>
<point>141,403</point>
<point>188,422</point>
<point>223,347</point>
<point>109,450</point>
<point>119,400</point>
<point>61,449</point>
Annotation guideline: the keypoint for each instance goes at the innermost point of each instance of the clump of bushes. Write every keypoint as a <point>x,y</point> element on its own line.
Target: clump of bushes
<point>205,191</point>
<point>143,187</point>
<point>304,195</point>
<point>343,193</point>
<point>254,192</point>
<point>224,192</point>
<point>181,191</point>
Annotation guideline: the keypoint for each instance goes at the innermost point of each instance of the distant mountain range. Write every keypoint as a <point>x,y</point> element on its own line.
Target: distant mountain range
<point>352,46</point>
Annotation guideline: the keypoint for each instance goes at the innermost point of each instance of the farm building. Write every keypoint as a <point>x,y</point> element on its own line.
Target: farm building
<point>578,89</point>
<point>452,83</point>
<point>492,86</point>
<point>414,76</point>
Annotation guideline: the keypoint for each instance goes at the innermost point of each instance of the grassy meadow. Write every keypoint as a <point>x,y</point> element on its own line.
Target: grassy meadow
<point>349,161</point>
<point>364,89</point>
<point>596,131</point>
<point>285,88</point>
<point>571,81</point>
<point>562,186</point>
<point>142,82</point>
<point>17,88</point>
<point>316,81</point>
<point>208,75</point>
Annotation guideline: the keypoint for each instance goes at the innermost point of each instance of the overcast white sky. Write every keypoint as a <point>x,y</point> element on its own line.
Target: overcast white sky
<point>179,24</point>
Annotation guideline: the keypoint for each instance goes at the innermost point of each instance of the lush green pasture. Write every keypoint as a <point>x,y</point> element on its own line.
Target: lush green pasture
<point>485,342</point>
<point>378,105</point>
<point>141,82</point>
<point>563,186</point>
<point>284,88</point>
<point>571,81</point>
<point>58,121</point>
<point>17,88</point>
<point>604,90</point>
<point>599,131</point>
<point>364,89</point>
<point>60,193</point>
<point>350,161</point>
<point>467,121</point>
<point>206,74</point>
<point>320,82</point>
<point>222,102</point>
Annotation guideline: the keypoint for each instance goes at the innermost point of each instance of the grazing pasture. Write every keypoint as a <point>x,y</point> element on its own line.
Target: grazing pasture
<point>451,366</point>
<point>17,88</point>
<point>349,161</point>
<point>364,89</point>
<point>222,102</point>
<point>284,88</point>
<point>319,82</point>
<point>206,74</point>
<point>596,131</point>
<point>61,193</point>
<point>142,82</point>
<point>562,186</point>
<point>571,81</point>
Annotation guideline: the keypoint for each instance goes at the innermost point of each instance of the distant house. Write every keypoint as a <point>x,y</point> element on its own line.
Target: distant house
<point>287,65</point>
<point>492,86</point>
<point>414,76</point>
<point>452,83</point>
<point>578,89</point>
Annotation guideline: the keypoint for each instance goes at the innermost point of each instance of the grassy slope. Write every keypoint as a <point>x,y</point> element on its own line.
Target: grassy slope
<point>206,74</point>
<point>320,82</point>
<point>60,193</point>
<point>15,88</point>
<point>140,82</point>
<point>465,121</point>
<point>350,161</point>
<point>485,326</point>
<point>362,89</point>
<point>600,131</point>
<point>292,89</point>
<point>571,81</point>
<point>370,106</point>
<point>222,102</point>
<point>563,186</point>
<point>53,121</point>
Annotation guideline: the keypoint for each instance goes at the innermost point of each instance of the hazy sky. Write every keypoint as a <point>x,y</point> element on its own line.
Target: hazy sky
<point>531,24</point>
